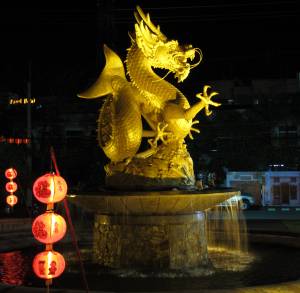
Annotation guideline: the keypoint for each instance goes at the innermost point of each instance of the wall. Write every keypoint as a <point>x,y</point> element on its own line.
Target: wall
<point>282,188</point>
<point>247,182</point>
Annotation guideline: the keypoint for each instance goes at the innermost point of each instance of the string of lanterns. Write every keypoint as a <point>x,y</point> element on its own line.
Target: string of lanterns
<point>15,140</point>
<point>11,186</point>
<point>49,227</point>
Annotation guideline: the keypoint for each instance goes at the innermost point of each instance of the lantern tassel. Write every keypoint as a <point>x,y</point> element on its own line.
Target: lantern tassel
<point>48,283</point>
<point>72,230</point>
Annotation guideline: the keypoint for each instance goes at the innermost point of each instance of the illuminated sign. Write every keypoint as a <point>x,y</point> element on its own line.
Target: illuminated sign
<point>21,101</point>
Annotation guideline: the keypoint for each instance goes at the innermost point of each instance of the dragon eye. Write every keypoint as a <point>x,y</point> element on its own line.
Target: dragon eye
<point>181,58</point>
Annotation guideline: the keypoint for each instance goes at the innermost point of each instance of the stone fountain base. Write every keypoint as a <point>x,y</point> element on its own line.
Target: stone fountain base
<point>154,231</point>
<point>150,242</point>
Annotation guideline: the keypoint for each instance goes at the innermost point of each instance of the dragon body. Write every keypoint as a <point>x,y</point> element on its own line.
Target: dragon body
<point>146,95</point>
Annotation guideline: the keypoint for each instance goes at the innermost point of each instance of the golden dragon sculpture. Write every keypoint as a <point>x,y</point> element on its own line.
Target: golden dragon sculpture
<point>147,97</point>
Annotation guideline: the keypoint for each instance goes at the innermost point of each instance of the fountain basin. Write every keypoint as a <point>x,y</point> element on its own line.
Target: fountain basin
<point>157,231</point>
<point>275,270</point>
<point>174,202</point>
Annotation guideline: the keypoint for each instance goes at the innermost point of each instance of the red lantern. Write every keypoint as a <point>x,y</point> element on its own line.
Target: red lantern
<point>10,140</point>
<point>50,188</point>
<point>11,187</point>
<point>11,200</point>
<point>18,140</point>
<point>11,173</point>
<point>49,227</point>
<point>48,264</point>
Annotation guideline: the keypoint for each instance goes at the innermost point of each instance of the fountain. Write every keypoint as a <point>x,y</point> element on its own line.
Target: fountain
<point>166,228</point>
<point>152,229</point>
<point>151,217</point>
<point>162,231</point>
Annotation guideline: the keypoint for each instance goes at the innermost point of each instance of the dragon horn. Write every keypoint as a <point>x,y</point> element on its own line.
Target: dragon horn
<point>146,18</point>
<point>146,33</point>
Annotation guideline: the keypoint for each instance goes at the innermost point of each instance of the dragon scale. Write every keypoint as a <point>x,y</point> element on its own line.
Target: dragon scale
<point>116,136</point>
<point>155,91</point>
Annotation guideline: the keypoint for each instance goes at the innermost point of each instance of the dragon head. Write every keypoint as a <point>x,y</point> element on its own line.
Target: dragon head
<point>161,52</point>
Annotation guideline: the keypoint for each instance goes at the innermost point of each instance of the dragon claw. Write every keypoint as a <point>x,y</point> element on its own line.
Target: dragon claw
<point>205,88</point>
<point>206,99</point>
<point>152,143</point>
<point>195,129</point>
<point>207,111</point>
<point>160,135</point>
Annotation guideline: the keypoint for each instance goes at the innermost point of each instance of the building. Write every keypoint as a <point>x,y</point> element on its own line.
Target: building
<point>281,188</point>
<point>247,182</point>
<point>269,188</point>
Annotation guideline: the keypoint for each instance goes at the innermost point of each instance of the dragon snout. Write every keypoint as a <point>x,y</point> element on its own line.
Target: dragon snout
<point>190,54</point>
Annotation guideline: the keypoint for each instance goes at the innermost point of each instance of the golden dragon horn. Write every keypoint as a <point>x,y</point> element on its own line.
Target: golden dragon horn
<point>141,16</point>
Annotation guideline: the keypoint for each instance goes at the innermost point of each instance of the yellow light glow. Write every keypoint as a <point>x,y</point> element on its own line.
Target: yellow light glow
<point>147,95</point>
<point>52,189</point>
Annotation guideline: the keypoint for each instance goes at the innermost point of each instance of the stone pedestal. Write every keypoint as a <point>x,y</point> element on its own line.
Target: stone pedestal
<point>150,242</point>
<point>158,231</point>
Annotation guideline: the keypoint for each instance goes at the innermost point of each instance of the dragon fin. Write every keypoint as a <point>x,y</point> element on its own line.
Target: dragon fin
<point>102,86</point>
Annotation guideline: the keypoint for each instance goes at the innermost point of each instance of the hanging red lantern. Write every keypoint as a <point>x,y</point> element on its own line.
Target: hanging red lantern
<point>11,173</point>
<point>18,140</point>
<point>11,187</point>
<point>49,228</point>
<point>48,264</point>
<point>50,188</point>
<point>10,140</point>
<point>26,140</point>
<point>11,200</point>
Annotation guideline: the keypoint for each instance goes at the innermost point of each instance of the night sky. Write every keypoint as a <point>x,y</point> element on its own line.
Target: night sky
<point>63,40</point>
<point>257,39</point>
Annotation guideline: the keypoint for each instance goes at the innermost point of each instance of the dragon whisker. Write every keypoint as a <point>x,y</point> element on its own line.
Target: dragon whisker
<point>162,78</point>
<point>197,50</point>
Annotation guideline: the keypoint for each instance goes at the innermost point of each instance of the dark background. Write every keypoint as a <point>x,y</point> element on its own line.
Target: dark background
<point>61,42</point>
<point>64,38</point>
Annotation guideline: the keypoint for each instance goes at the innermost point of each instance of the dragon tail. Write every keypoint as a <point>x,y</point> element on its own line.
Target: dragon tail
<point>103,85</point>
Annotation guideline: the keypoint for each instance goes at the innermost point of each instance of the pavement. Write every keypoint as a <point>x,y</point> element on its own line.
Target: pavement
<point>290,287</point>
<point>273,214</point>
<point>262,224</point>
